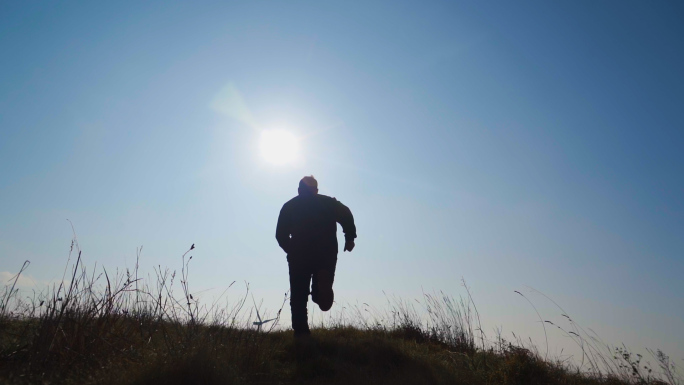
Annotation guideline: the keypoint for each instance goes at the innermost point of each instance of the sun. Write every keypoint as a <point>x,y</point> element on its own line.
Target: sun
<point>279,147</point>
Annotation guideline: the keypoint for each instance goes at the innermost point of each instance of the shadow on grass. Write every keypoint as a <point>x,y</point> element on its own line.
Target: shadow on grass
<point>338,356</point>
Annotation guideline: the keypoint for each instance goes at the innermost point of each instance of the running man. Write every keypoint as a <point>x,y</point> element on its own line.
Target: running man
<point>307,232</point>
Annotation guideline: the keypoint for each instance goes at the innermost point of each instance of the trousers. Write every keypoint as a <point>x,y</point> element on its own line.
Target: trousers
<point>306,273</point>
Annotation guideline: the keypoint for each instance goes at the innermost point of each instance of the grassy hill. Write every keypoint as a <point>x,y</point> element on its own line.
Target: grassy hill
<point>102,329</point>
<point>107,352</point>
<point>115,351</point>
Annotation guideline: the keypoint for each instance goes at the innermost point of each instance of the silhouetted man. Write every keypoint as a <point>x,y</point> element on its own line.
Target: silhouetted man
<point>307,231</point>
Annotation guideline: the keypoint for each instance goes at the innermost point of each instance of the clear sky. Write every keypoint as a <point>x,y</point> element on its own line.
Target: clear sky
<point>514,144</point>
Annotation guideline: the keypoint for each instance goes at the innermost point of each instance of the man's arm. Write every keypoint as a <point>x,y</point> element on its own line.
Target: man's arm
<point>344,217</point>
<point>283,230</point>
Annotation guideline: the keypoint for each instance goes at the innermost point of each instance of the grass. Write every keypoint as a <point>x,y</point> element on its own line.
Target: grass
<point>102,328</point>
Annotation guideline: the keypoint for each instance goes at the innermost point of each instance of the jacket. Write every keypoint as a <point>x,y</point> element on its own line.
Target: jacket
<point>307,224</point>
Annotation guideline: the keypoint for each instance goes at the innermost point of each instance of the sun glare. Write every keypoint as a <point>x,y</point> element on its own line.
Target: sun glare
<point>279,147</point>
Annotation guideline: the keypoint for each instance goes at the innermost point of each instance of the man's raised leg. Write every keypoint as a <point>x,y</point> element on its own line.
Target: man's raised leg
<point>322,284</point>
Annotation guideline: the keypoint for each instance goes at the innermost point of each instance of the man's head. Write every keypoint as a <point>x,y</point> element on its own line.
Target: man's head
<point>308,186</point>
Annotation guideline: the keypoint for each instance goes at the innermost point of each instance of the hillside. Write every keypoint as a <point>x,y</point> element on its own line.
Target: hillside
<point>218,355</point>
<point>119,329</point>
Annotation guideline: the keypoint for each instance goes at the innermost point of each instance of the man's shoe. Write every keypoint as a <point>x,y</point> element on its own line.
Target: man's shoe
<point>325,295</point>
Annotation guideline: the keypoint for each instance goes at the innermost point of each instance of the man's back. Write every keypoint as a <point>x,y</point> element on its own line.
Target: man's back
<point>311,221</point>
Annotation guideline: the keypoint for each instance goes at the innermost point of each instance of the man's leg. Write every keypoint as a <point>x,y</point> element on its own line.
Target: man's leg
<point>300,278</point>
<point>322,284</point>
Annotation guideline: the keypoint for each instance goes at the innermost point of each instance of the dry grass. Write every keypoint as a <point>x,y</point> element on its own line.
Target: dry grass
<point>98,327</point>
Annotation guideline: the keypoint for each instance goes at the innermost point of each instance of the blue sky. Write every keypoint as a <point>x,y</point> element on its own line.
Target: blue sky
<point>514,145</point>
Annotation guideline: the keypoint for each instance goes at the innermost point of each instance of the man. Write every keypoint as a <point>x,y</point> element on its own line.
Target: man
<point>307,231</point>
